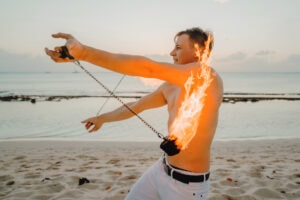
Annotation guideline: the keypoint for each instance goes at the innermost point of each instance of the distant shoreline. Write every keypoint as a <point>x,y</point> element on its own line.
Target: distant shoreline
<point>227,98</point>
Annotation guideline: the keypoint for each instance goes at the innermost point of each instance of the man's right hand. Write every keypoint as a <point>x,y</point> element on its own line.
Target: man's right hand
<point>74,47</point>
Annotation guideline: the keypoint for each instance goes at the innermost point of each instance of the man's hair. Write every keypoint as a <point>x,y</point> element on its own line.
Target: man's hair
<point>198,36</point>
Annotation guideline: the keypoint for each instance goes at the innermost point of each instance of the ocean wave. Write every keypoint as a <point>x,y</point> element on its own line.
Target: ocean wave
<point>4,92</point>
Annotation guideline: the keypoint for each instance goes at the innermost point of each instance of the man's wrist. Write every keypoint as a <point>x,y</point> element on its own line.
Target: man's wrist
<point>83,53</point>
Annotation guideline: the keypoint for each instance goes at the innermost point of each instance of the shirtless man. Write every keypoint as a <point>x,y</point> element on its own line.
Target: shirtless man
<point>185,175</point>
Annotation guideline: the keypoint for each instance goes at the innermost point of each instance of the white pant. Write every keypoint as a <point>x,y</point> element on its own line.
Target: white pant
<point>155,184</point>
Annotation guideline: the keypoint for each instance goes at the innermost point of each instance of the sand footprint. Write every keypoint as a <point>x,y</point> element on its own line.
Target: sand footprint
<point>267,193</point>
<point>113,161</point>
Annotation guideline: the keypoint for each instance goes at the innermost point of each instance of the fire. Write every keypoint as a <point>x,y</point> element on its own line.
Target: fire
<point>185,125</point>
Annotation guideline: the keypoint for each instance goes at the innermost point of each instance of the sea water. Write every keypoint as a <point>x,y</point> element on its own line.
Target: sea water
<point>61,119</point>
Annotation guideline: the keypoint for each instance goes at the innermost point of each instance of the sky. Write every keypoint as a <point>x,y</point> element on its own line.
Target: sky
<point>256,35</point>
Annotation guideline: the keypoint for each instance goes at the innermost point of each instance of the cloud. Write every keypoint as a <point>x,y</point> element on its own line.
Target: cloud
<point>265,53</point>
<point>12,62</point>
<point>241,62</point>
<point>221,1</point>
<point>160,57</point>
<point>292,62</point>
<point>234,57</point>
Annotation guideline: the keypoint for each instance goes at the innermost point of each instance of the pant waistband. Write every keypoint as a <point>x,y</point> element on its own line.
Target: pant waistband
<point>184,178</point>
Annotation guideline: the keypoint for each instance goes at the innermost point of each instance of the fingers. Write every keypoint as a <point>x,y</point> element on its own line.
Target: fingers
<point>86,120</point>
<point>63,36</point>
<point>57,49</point>
<point>95,128</point>
<point>55,55</point>
<point>90,125</point>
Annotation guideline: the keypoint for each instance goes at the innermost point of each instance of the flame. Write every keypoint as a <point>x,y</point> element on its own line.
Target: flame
<point>184,127</point>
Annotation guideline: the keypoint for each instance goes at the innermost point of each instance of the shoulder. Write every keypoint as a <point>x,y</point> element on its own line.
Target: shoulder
<point>216,78</point>
<point>208,79</point>
<point>215,88</point>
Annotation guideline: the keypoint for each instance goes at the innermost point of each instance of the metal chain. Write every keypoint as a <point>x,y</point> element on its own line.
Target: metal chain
<point>120,100</point>
<point>106,100</point>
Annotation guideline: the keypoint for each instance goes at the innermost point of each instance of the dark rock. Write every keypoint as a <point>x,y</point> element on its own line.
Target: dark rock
<point>83,181</point>
<point>10,183</point>
<point>46,179</point>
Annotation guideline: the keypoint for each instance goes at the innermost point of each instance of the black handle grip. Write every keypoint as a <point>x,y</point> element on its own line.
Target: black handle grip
<point>169,147</point>
<point>64,53</point>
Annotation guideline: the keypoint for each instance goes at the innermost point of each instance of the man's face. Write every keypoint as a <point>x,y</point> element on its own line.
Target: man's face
<point>184,51</point>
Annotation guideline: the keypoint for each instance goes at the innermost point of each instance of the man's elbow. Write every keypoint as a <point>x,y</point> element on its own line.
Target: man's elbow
<point>149,68</point>
<point>137,66</point>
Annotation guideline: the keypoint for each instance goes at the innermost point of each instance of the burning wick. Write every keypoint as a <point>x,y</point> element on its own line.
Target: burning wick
<point>169,147</point>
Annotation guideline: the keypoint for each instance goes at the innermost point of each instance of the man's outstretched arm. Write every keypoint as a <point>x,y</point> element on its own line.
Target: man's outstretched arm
<point>121,63</point>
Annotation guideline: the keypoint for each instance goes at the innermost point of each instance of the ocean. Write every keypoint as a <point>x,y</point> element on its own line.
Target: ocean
<point>60,118</point>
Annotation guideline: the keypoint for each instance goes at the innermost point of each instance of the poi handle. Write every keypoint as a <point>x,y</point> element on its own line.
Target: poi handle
<point>64,53</point>
<point>169,147</point>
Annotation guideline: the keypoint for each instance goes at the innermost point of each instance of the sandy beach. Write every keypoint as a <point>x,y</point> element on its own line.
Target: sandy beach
<point>254,170</point>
